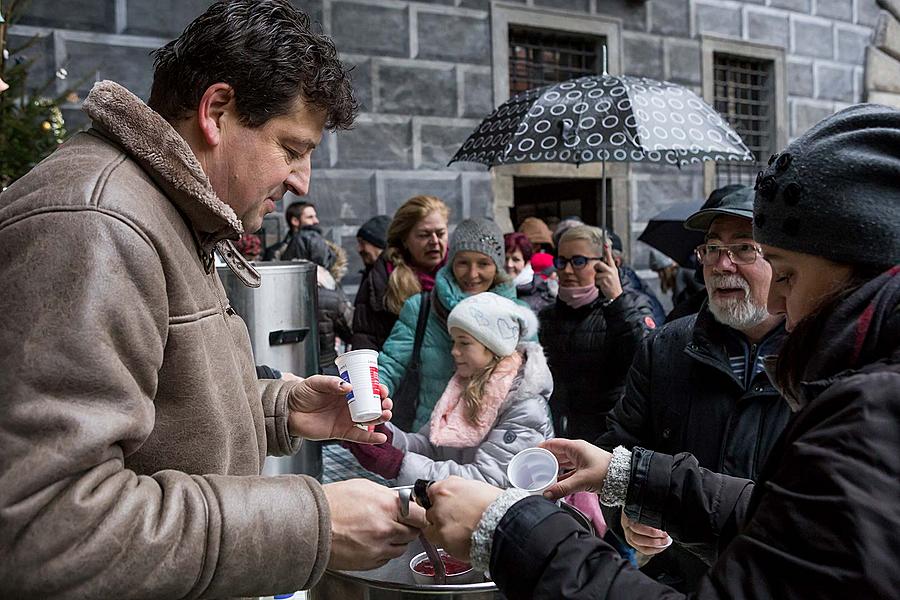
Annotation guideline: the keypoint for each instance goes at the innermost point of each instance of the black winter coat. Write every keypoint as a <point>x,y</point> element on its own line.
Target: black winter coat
<point>372,321</point>
<point>681,395</point>
<point>307,243</point>
<point>632,281</point>
<point>589,350</point>
<point>335,316</point>
<point>821,522</point>
<point>536,294</point>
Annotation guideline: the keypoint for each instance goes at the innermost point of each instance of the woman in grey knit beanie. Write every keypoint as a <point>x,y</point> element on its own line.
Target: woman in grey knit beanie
<point>477,255</point>
<point>475,264</point>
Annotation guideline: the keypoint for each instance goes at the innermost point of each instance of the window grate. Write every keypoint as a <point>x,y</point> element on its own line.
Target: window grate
<point>538,58</point>
<point>743,93</point>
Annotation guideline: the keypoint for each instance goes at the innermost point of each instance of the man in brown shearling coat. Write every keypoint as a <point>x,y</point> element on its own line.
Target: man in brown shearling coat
<point>132,426</point>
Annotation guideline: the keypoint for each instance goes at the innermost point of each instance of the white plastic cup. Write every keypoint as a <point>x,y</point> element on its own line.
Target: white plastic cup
<point>533,470</point>
<point>359,368</point>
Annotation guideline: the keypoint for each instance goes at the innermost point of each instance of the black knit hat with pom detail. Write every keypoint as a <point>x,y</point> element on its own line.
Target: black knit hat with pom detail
<point>835,191</point>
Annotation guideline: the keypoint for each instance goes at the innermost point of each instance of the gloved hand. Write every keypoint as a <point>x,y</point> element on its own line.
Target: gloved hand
<point>383,428</point>
<point>383,459</point>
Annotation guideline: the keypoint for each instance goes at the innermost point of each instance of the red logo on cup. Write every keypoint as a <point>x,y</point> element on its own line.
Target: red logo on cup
<point>376,389</point>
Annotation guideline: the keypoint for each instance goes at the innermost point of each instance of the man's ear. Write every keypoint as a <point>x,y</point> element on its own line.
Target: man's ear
<point>216,102</point>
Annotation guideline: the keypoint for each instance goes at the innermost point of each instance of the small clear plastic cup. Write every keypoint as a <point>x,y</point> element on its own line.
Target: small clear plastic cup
<point>533,470</point>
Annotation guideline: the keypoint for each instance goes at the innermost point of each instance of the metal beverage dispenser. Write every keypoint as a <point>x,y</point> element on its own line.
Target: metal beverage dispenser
<point>281,317</point>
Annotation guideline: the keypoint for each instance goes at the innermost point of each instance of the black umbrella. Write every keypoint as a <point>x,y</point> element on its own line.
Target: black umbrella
<point>604,118</point>
<point>666,233</point>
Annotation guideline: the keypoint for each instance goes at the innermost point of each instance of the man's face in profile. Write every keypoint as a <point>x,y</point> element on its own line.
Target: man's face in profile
<point>368,252</point>
<point>254,167</point>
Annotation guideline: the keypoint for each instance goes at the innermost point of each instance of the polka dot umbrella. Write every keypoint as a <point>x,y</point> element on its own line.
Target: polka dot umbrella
<point>604,118</point>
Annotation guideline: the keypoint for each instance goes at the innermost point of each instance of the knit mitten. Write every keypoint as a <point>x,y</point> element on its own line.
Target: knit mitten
<point>383,459</point>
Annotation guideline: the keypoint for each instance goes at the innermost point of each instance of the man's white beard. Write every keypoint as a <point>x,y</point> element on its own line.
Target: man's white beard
<point>737,313</point>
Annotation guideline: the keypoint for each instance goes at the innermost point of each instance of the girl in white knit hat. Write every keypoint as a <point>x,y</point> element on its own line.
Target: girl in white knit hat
<point>495,405</point>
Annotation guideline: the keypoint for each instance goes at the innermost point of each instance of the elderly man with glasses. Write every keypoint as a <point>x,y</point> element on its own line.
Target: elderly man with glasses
<point>698,384</point>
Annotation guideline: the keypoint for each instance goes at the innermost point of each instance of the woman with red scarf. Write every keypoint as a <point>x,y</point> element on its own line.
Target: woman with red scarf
<point>416,249</point>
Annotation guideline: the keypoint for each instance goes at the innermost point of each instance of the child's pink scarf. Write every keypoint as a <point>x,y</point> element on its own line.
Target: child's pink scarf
<point>450,425</point>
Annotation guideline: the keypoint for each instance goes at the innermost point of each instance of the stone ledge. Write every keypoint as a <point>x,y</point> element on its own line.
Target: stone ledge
<point>882,72</point>
<point>892,6</point>
<point>887,34</point>
<point>885,98</point>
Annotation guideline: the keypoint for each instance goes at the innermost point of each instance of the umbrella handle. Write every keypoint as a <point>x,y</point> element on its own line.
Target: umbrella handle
<point>603,200</point>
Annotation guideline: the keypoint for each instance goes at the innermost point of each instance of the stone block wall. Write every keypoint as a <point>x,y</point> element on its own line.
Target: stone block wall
<point>423,74</point>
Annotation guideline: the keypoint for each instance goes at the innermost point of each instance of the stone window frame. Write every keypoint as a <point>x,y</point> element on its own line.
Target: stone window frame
<point>710,45</point>
<point>502,16</point>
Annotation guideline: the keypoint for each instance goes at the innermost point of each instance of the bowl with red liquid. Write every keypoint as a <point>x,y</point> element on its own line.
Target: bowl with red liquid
<point>457,571</point>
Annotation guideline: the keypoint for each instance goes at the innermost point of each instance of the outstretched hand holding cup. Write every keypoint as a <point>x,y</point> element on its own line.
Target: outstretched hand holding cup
<point>585,463</point>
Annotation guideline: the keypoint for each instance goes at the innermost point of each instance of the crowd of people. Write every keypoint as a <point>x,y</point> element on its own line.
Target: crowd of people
<point>745,445</point>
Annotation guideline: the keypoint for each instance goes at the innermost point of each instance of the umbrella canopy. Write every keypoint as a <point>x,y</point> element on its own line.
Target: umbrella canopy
<point>604,118</point>
<point>666,233</point>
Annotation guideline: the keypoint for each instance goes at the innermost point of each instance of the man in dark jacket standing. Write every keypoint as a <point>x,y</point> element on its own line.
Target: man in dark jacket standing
<point>371,240</point>
<point>370,328</point>
<point>697,384</point>
<point>590,334</point>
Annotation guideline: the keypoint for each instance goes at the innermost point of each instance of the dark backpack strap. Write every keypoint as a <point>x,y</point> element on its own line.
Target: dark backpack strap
<point>406,398</point>
<point>420,328</point>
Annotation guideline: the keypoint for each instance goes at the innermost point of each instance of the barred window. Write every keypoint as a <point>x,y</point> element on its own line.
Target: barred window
<point>538,58</point>
<point>744,94</point>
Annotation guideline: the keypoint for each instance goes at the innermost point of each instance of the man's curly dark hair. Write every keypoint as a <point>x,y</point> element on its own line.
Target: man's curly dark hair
<point>267,51</point>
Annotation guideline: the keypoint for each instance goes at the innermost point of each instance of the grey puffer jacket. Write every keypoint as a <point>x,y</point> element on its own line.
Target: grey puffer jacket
<point>522,422</point>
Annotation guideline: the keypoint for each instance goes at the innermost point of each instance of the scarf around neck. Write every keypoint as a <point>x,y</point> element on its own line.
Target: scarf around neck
<point>426,278</point>
<point>450,424</point>
<point>576,297</point>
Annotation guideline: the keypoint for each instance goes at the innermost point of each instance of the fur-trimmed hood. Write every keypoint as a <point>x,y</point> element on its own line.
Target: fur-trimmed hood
<point>150,140</point>
<point>534,379</point>
<point>339,268</point>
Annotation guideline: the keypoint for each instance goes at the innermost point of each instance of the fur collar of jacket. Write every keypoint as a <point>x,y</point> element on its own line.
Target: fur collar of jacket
<point>150,140</point>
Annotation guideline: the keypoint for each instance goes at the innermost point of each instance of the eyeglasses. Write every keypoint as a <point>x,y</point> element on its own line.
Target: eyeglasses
<point>739,254</point>
<point>578,261</point>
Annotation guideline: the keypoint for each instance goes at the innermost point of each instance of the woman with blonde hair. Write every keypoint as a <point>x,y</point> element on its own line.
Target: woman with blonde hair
<point>475,264</point>
<point>416,249</point>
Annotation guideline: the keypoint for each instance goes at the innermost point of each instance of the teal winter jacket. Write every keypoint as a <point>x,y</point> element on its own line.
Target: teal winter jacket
<point>436,362</point>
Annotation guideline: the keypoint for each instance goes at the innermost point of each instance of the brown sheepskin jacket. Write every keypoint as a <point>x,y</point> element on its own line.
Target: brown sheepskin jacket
<point>132,426</point>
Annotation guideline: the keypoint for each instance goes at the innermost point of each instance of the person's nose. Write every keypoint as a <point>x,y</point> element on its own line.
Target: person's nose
<point>298,180</point>
<point>775,302</point>
<point>724,264</point>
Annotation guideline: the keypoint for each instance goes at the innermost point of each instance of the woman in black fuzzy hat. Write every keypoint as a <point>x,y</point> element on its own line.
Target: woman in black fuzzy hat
<point>823,518</point>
